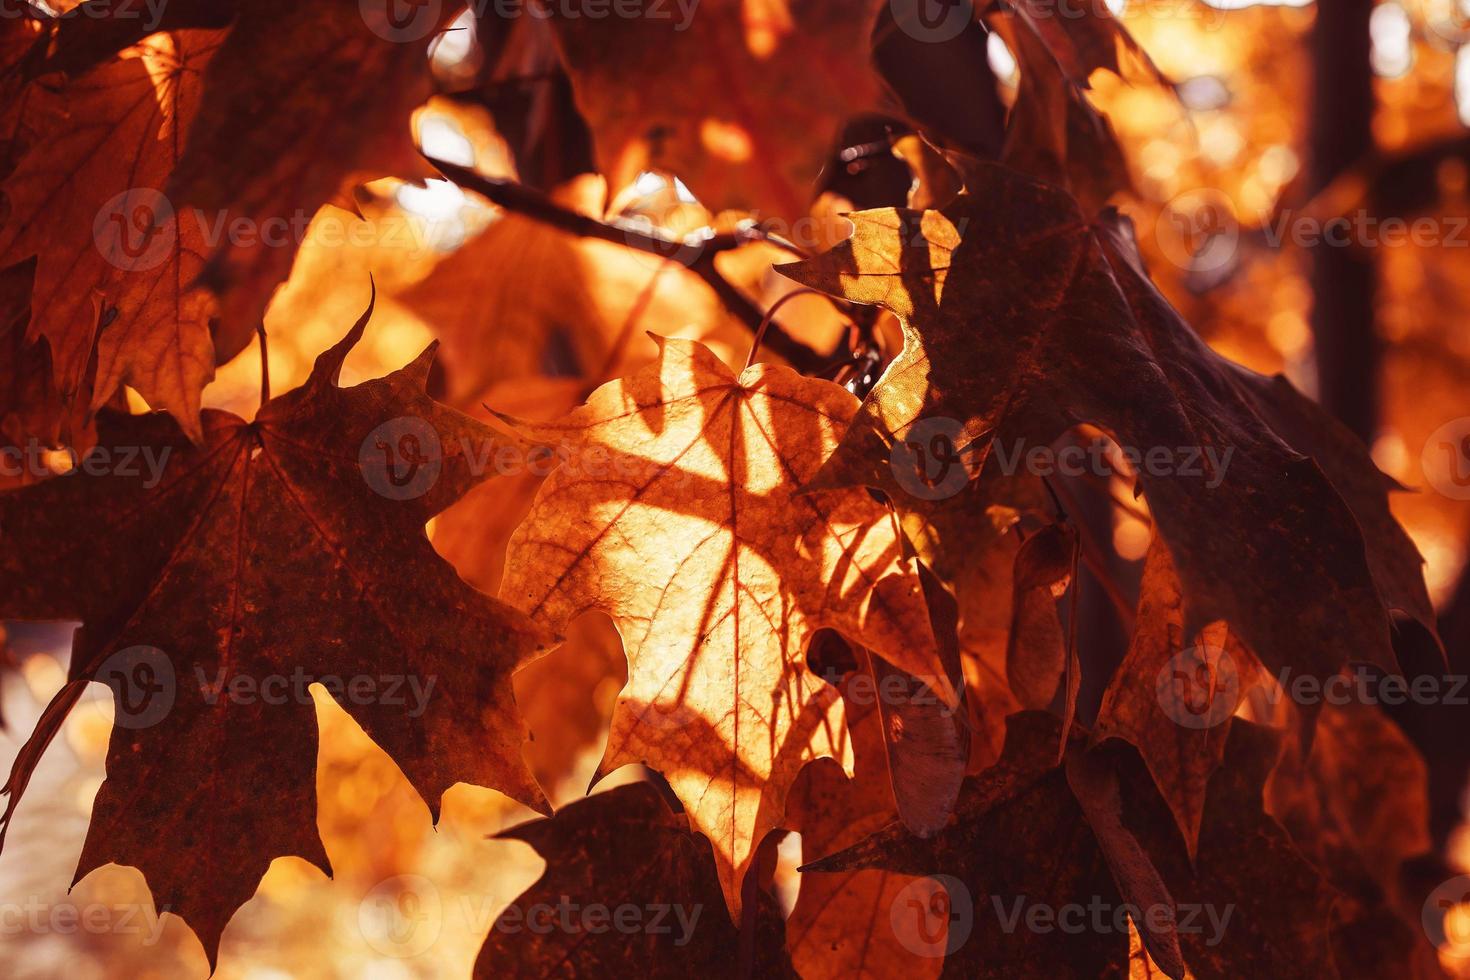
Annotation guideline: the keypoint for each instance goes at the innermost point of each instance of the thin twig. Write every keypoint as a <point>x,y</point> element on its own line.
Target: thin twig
<point>770,318</point>
<point>265,366</point>
<point>535,205</point>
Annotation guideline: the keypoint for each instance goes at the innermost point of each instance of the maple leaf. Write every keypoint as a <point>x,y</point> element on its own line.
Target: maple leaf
<point>1358,809</point>
<point>927,743</point>
<point>1054,133</point>
<point>1018,834</point>
<point>1036,648</point>
<point>1040,660</point>
<point>613,852</point>
<point>1094,833</point>
<point>1019,312</point>
<point>841,925</point>
<point>1393,558</point>
<point>92,32</point>
<point>86,199</point>
<point>969,542</point>
<point>300,101</point>
<point>1173,695</point>
<point>23,42</point>
<point>985,595</point>
<point>32,413</point>
<point>700,109</point>
<point>1083,40</point>
<point>270,552</point>
<point>677,513</point>
<point>1093,778</point>
<point>1278,904</point>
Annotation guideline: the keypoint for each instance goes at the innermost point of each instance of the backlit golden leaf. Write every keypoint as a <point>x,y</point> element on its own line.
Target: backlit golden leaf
<point>675,511</point>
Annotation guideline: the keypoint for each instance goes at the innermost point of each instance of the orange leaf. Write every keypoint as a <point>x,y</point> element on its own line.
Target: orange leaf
<point>676,512</point>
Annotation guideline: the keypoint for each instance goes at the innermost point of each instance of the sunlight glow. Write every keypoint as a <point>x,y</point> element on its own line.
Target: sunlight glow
<point>1393,47</point>
<point>1002,62</point>
<point>1243,4</point>
<point>443,140</point>
<point>1462,83</point>
<point>648,183</point>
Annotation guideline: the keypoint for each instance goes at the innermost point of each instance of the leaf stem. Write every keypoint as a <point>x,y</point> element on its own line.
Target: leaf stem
<point>768,320</point>
<point>265,366</point>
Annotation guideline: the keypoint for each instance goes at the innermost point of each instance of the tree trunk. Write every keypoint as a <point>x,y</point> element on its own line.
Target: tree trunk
<point>1343,278</point>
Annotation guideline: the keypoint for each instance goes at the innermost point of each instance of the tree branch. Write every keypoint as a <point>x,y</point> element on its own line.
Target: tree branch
<point>537,206</point>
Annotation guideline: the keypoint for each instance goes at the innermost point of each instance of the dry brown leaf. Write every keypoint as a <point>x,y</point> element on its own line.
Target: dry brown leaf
<point>276,555</point>
<point>1036,647</point>
<point>300,101</point>
<point>701,108</point>
<point>86,198</point>
<point>614,851</point>
<point>1021,312</point>
<point>842,925</point>
<point>1180,720</point>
